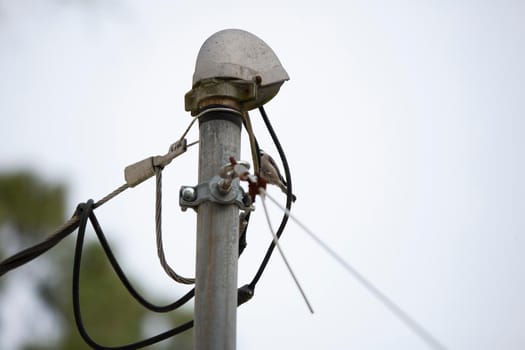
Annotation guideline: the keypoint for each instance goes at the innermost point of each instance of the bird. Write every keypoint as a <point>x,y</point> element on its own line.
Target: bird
<point>270,172</point>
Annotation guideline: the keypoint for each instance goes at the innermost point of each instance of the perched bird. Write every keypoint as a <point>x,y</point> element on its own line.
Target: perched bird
<point>270,172</point>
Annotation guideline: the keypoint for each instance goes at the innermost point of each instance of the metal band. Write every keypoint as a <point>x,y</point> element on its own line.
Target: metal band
<point>221,113</point>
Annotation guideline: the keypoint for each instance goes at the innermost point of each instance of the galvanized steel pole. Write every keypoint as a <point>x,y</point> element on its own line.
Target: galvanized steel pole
<point>237,71</point>
<point>217,239</point>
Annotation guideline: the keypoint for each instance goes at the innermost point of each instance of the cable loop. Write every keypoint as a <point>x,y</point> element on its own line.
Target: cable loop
<point>158,232</point>
<point>86,212</point>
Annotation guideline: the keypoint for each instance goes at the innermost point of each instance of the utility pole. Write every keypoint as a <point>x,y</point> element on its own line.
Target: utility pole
<point>217,239</point>
<point>235,72</point>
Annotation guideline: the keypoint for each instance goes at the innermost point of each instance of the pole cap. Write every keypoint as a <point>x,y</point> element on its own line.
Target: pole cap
<point>236,64</point>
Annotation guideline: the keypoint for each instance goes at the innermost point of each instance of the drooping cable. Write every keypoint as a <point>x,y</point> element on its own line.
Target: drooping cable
<point>86,211</point>
<point>289,197</point>
<point>66,229</point>
<point>79,220</point>
<point>158,231</point>
<point>282,155</point>
<point>125,281</point>
<point>35,251</point>
<point>56,237</point>
<point>158,203</point>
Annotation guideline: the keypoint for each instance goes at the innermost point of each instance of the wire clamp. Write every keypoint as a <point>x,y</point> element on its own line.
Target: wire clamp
<point>221,189</point>
<point>141,171</point>
<point>212,191</point>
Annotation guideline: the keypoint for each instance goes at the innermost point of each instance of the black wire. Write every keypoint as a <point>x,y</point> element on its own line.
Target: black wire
<point>86,211</point>
<point>35,251</point>
<point>60,233</point>
<point>289,196</point>
<point>242,235</point>
<point>244,293</point>
<point>118,270</point>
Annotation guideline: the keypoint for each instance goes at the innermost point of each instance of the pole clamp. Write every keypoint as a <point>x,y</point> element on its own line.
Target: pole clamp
<point>211,191</point>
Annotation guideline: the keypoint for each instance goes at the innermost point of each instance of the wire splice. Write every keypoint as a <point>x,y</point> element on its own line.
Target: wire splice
<point>139,172</point>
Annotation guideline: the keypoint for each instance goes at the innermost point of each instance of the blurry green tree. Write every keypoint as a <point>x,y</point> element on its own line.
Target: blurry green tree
<point>29,208</point>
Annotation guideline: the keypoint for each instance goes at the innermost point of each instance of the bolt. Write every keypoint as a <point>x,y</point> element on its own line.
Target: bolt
<point>188,194</point>
<point>225,185</point>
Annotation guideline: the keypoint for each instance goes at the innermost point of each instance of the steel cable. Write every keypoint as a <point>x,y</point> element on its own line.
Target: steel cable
<point>158,231</point>
<point>54,238</point>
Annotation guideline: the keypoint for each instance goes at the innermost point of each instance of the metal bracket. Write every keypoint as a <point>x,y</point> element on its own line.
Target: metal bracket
<point>210,191</point>
<point>235,89</point>
<point>141,171</point>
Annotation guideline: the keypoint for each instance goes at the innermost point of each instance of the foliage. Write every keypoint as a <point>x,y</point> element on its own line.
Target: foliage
<point>112,317</point>
<point>30,205</point>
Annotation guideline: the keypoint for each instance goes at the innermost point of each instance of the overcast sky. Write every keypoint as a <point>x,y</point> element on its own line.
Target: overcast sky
<point>403,123</point>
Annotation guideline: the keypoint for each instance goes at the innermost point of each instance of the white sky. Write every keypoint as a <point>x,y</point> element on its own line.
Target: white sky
<point>403,122</point>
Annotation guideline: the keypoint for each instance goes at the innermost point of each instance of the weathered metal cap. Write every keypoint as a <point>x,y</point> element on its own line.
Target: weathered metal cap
<point>238,54</point>
<point>244,61</point>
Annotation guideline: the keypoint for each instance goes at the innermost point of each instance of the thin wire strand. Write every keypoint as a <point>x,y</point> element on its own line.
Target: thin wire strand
<point>111,195</point>
<point>425,335</point>
<point>188,129</point>
<point>262,192</point>
<point>217,109</point>
<point>28,254</point>
<point>195,118</point>
<point>192,144</point>
<point>158,230</point>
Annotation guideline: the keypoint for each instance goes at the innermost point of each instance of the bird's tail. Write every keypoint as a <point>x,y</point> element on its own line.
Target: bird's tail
<point>285,191</point>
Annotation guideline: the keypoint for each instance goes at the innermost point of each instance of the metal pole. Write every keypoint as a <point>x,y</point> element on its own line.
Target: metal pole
<point>217,239</point>
<point>237,70</point>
